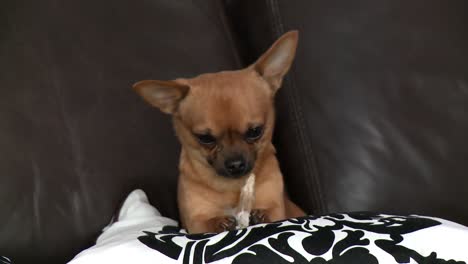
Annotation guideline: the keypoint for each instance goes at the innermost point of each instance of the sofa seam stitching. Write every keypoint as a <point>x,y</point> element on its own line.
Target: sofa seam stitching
<point>297,113</point>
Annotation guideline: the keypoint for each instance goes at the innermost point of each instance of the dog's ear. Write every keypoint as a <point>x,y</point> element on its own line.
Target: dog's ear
<point>165,95</point>
<point>277,60</point>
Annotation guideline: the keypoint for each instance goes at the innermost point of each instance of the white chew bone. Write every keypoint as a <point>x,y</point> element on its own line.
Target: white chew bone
<point>246,201</point>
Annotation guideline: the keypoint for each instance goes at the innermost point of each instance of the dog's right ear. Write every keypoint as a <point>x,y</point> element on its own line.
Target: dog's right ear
<point>165,95</point>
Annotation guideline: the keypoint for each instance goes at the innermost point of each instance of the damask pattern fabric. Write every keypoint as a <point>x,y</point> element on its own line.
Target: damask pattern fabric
<point>4,260</point>
<point>142,235</point>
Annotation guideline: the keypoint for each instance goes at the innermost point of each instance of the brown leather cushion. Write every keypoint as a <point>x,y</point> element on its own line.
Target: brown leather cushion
<point>74,138</point>
<point>374,115</point>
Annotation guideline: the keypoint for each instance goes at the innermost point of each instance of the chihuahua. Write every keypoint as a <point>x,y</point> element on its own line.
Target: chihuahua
<point>224,122</point>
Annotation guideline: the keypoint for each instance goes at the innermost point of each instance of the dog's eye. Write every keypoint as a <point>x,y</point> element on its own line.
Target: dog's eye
<point>253,133</point>
<point>205,139</point>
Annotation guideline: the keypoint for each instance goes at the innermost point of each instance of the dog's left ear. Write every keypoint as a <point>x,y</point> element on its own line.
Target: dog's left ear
<point>277,60</point>
<point>165,95</point>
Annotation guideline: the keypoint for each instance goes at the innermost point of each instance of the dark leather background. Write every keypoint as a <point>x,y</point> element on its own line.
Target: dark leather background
<point>373,115</point>
<point>74,138</point>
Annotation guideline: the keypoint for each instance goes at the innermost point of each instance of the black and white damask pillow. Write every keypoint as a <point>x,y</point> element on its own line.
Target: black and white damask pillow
<point>142,236</point>
<point>4,260</point>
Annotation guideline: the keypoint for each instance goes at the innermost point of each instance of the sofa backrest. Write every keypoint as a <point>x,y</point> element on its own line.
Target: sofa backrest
<point>374,113</point>
<point>74,138</point>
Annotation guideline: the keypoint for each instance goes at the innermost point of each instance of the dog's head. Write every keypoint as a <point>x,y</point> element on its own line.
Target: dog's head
<point>225,120</point>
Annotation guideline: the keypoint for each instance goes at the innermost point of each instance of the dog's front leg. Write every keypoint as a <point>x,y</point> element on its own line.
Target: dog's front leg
<point>207,224</point>
<point>276,212</point>
<point>268,210</point>
<point>269,203</point>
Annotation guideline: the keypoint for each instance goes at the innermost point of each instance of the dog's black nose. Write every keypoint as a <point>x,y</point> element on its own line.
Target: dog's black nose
<point>235,166</point>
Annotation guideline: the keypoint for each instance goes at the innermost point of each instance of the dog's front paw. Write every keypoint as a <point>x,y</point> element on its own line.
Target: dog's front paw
<point>258,216</point>
<point>225,223</point>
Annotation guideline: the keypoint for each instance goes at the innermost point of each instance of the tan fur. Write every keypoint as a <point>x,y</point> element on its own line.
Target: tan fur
<point>226,104</point>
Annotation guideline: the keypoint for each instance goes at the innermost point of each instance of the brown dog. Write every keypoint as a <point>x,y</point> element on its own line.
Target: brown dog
<point>224,122</point>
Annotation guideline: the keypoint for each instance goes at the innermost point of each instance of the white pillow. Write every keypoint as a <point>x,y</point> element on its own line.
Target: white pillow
<point>118,243</point>
<point>142,236</point>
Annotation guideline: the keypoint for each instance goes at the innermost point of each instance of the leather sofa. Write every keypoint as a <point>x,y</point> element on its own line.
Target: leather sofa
<point>373,115</point>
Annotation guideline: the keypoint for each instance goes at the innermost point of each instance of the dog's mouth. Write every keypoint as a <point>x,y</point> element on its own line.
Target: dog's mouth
<point>233,165</point>
<point>236,173</point>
